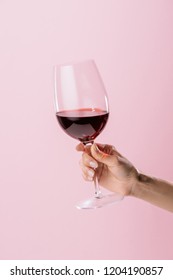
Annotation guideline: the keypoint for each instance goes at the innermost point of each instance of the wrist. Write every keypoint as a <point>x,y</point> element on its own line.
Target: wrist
<point>141,184</point>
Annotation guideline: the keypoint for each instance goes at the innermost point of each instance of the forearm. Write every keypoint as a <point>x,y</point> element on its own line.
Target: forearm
<point>154,191</point>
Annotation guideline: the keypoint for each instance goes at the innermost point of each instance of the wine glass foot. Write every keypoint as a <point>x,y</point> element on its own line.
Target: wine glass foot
<point>99,201</point>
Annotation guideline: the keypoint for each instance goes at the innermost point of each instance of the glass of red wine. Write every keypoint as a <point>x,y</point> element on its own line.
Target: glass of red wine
<point>81,105</point>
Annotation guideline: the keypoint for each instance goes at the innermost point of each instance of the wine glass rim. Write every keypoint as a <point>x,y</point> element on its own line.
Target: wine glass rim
<point>75,62</point>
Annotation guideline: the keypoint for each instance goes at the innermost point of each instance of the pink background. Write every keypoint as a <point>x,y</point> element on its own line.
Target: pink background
<point>40,179</point>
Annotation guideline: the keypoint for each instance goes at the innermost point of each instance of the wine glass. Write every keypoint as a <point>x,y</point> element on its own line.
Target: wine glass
<point>81,105</point>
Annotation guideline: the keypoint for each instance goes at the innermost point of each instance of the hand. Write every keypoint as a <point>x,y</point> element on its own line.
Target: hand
<point>114,172</point>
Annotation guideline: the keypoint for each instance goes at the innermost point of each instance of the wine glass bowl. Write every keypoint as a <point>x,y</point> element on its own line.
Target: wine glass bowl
<point>82,111</point>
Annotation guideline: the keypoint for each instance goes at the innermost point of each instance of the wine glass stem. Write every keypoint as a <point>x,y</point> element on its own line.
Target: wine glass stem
<point>98,193</point>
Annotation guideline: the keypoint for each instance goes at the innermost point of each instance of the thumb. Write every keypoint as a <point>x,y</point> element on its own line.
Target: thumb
<point>101,156</point>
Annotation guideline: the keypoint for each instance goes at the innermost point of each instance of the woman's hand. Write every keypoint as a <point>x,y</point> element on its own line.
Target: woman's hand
<point>114,172</point>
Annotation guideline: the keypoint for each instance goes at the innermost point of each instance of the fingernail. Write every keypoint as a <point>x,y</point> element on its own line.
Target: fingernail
<point>91,173</point>
<point>90,178</point>
<point>93,164</point>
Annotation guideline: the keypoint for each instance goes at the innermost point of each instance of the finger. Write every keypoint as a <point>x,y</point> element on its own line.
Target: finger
<point>83,148</point>
<point>89,161</point>
<point>109,157</point>
<point>80,147</point>
<point>86,178</point>
<point>88,173</point>
<point>108,149</point>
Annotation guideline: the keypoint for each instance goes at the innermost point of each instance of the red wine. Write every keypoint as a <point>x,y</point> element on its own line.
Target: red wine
<point>83,124</point>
